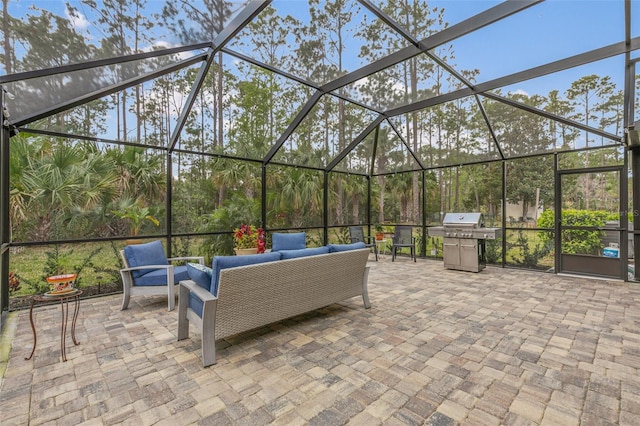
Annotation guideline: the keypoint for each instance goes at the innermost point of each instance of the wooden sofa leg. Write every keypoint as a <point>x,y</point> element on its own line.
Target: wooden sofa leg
<point>126,292</point>
<point>208,350</point>
<point>171,290</point>
<point>125,301</point>
<point>171,297</point>
<point>365,289</point>
<point>183,321</point>
<point>208,333</point>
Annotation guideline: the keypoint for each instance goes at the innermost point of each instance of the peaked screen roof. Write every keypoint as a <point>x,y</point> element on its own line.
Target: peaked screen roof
<point>368,86</point>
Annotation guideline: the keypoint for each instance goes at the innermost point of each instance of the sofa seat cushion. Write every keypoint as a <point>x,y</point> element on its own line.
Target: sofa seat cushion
<point>200,274</point>
<point>312,251</point>
<point>334,248</point>
<point>288,241</point>
<point>159,276</point>
<point>145,254</point>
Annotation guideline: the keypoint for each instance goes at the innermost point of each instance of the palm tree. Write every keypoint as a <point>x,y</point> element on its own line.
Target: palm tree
<point>56,184</point>
<point>299,193</point>
<point>140,174</point>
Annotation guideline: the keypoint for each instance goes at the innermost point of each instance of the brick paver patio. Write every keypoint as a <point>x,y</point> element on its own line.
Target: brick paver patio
<point>437,347</point>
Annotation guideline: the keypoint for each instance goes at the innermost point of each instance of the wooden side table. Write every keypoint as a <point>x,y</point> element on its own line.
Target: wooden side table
<point>64,303</point>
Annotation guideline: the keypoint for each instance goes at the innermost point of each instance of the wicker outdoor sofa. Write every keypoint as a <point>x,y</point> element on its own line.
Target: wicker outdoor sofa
<point>248,292</point>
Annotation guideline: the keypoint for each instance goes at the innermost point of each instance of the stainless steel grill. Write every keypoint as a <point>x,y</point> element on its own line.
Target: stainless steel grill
<point>464,236</point>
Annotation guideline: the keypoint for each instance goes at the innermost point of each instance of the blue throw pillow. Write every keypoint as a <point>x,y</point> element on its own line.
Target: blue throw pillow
<point>223,262</point>
<point>333,248</point>
<point>292,254</point>
<point>200,274</point>
<point>289,241</point>
<point>145,254</point>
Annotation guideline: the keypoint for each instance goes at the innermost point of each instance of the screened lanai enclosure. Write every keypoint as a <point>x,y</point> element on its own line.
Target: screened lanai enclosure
<point>180,120</point>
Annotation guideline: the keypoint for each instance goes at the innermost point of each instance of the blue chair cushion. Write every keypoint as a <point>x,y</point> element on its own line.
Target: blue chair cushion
<point>159,276</point>
<point>289,241</point>
<point>333,248</point>
<point>200,274</point>
<point>292,254</point>
<point>223,262</point>
<point>145,254</point>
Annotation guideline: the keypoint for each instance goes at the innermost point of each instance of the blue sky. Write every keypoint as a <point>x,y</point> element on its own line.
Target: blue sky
<point>543,33</point>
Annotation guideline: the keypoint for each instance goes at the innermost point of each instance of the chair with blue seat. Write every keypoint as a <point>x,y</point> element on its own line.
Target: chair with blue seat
<point>147,271</point>
<point>356,234</point>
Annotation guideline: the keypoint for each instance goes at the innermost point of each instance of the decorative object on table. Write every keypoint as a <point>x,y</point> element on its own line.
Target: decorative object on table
<point>379,232</point>
<point>61,284</point>
<point>247,239</point>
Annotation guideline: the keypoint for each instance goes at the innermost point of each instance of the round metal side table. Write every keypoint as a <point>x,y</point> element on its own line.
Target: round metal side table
<point>64,303</point>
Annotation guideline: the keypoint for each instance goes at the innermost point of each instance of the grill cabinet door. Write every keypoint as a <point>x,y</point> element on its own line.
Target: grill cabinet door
<point>469,255</point>
<point>451,252</point>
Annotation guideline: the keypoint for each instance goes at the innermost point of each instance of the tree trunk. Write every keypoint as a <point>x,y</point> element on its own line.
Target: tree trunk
<point>8,53</point>
<point>220,101</point>
<point>414,118</point>
<point>356,208</point>
<point>457,197</point>
<point>137,91</point>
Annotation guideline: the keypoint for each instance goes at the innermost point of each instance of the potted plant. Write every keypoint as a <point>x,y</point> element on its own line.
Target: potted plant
<point>379,232</point>
<point>247,239</point>
<point>388,231</point>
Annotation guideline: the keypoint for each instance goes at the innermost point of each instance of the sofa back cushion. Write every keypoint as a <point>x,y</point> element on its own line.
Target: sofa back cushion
<point>333,248</point>
<point>223,262</point>
<point>311,251</point>
<point>145,254</point>
<point>288,241</point>
<point>200,274</point>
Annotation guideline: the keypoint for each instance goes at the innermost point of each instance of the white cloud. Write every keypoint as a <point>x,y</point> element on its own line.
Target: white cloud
<point>521,92</point>
<point>78,20</point>
<point>161,44</point>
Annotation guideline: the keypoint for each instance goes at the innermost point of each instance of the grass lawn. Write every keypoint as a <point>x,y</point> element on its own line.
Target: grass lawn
<point>95,263</point>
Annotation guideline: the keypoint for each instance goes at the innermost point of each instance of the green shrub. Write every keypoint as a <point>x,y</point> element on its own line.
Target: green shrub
<point>493,251</point>
<point>576,240</point>
<point>525,253</point>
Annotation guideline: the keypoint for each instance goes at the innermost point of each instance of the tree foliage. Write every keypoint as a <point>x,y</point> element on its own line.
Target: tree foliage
<point>70,186</point>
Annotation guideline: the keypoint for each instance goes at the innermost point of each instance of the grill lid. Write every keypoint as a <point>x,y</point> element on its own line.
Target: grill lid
<point>463,219</point>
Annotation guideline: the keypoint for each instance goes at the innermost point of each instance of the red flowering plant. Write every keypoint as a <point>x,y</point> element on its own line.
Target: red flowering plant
<point>248,236</point>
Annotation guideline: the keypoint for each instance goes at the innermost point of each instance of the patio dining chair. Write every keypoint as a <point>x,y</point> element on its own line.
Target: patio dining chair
<point>147,271</point>
<point>403,237</point>
<point>356,234</point>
